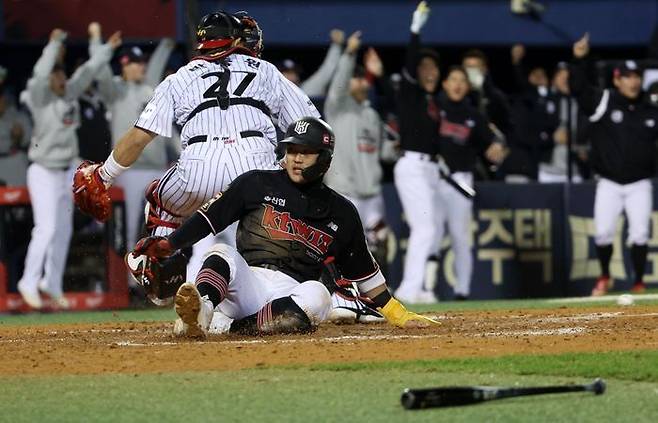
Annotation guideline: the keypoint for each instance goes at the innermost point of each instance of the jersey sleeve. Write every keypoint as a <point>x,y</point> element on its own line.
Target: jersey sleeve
<point>228,206</point>
<point>292,103</point>
<point>482,135</point>
<point>355,262</point>
<point>158,115</point>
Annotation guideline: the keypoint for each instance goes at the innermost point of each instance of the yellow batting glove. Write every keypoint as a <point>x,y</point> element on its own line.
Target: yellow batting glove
<point>397,315</point>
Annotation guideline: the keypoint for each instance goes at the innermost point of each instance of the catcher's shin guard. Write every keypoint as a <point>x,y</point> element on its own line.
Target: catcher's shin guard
<point>160,279</point>
<point>153,210</point>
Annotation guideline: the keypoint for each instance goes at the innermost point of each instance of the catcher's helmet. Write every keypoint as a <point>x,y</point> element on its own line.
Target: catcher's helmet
<point>252,35</point>
<point>217,30</point>
<point>317,134</point>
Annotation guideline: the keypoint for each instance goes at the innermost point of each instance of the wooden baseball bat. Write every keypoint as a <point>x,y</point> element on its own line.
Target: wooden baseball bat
<point>464,395</point>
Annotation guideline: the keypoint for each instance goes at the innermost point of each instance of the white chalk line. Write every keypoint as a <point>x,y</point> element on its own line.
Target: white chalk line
<point>602,299</point>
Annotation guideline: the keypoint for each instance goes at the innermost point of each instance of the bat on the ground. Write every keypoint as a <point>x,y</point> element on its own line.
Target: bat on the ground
<point>464,395</point>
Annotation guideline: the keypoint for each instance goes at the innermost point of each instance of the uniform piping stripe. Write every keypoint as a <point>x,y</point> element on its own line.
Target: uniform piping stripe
<point>601,108</point>
<point>213,279</point>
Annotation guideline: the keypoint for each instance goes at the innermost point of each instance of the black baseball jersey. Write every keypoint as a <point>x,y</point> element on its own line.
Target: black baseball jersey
<point>623,131</point>
<point>418,110</point>
<point>290,226</point>
<point>464,134</point>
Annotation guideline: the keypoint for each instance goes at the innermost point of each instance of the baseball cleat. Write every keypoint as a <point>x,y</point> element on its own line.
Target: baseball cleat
<point>601,287</point>
<point>195,312</point>
<point>31,297</point>
<point>638,288</point>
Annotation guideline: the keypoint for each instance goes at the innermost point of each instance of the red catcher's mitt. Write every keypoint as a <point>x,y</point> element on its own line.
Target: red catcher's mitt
<point>90,193</point>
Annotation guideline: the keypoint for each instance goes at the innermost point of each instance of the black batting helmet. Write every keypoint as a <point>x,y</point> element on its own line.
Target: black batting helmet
<point>317,134</point>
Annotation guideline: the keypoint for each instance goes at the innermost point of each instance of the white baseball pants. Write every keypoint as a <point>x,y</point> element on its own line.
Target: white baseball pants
<point>635,199</point>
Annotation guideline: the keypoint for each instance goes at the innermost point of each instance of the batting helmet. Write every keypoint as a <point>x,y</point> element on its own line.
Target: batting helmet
<point>317,134</point>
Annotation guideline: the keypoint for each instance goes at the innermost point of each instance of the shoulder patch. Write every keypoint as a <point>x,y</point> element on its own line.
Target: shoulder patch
<point>208,203</point>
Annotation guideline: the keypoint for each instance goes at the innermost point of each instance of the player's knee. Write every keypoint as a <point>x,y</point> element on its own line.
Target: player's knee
<point>45,233</point>
<point>638,237</point>
<point>224,252</point>
<point>287,317</point>
<point>604,238</point>
<point>217,264</point>
<point>314,299</point>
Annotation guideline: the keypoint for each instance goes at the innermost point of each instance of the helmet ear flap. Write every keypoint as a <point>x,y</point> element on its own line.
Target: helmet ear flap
<point>320,167</point>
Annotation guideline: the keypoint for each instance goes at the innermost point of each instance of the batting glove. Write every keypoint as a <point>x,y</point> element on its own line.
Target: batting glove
<point>397,315</point>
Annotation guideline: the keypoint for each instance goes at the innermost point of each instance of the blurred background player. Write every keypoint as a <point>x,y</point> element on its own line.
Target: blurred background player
<point>53,103</point>
<point>416,172</point>
<point>356,173</point>
<point>125,96</point>
<point>223,99</point>
<point>316,85</point>
<point>15,131</point>
<point>541,112</point>
<point>465,137</point>
<point>624,130</point>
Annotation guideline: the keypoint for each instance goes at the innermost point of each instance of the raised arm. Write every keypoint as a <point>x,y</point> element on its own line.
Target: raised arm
<point>158,62</point>
<point>107,86</point>
<point>316,84</point>
<point>589,97</point>
<point>85,74</point>
<point>38,87</point>
<point>418,20</point>
<point>339,89</point>
<point>519,74</point>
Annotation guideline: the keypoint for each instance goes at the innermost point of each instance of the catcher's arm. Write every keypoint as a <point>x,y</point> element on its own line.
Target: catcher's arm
<point>91,181</point>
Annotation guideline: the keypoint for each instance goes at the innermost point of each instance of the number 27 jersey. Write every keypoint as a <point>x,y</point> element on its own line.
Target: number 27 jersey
<point>223,98</point>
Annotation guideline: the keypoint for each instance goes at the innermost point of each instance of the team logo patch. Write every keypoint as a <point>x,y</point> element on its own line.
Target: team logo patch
<point>617,116</point>
<point>282,226</point>
<point>207,205</point>
<point>301,127</point>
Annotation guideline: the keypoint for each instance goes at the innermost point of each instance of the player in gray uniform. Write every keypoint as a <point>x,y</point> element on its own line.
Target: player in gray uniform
<point>224,100</point>
<point>14,138</point>
<point>316,85</point>
<point>356,173</point>
<point>53,102</point>
<point>125,97</point>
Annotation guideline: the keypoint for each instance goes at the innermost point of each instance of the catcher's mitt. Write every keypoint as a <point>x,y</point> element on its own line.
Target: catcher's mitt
<point>90,193</point>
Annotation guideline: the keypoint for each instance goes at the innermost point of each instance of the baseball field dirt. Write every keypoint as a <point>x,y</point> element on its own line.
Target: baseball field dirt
<point>149,347</point>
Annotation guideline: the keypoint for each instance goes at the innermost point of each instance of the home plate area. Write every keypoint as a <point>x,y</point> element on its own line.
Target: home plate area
<point>150,347</point>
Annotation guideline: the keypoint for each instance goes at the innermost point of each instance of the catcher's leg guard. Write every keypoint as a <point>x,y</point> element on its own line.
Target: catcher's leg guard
<point>280,316</point>
<point>155,214</point>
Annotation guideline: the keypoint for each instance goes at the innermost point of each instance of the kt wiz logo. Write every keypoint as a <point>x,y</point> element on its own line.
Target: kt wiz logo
<point>279,225</point>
